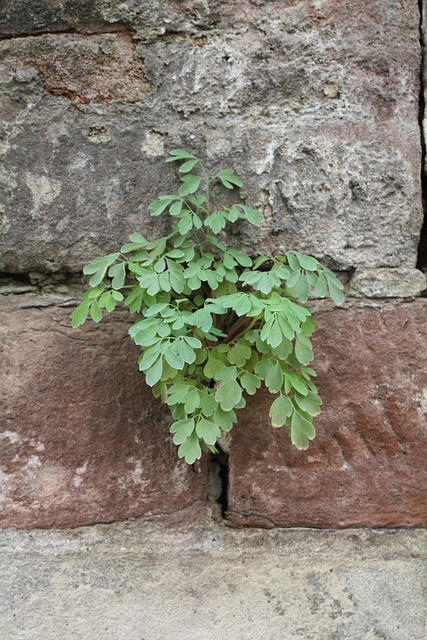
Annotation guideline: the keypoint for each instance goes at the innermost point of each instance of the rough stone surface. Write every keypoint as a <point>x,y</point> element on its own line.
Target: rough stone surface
<point>367,465</point>
<point>138,582</point>
<point>81,438</point>
<point>314,105</point>
<point>387,283</point>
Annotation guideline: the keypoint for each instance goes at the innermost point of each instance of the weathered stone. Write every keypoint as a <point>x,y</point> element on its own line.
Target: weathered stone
<point>387,283</point>
<point>367,465</point>
<point>82,439</point>
<point>242,84</point>
<point>139,581</point>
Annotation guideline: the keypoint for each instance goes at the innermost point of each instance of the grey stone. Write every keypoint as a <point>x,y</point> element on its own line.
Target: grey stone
<point>388,283</point>
<point>87,130</point>
<point>139,582</point>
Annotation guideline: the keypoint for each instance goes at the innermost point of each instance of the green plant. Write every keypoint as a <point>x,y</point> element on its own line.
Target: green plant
<point>212,322</point>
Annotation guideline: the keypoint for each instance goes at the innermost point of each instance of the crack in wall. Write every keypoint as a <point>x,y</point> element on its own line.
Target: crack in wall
<point>217,485</point>
<point>112,29</point>
<point>422,246</point>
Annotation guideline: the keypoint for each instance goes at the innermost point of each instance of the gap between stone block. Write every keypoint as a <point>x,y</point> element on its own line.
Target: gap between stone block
<point>218,477</point>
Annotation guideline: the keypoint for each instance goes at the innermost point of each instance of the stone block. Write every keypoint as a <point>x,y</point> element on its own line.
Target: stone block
<point>82,440</point>
<point>387,283</point>
<point>315,108</point>
<point>142,581</point>
<point>367,465</point>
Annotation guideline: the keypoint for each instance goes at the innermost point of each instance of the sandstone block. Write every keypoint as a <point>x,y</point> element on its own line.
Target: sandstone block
<point>387,283</point>
<point>82,440</point>
<point>367,465</point>
<point>315,108</point>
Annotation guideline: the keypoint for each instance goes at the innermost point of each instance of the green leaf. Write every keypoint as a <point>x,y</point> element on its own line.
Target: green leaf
<point>160,265</point>
<point>99,268</point>
<point>203,319</point>
<point>95,312</point>
<point>280,410</point>
<point>321,286</point>
<point>336,291</point>
<point>229,179</point>
<point>250,383</point>
<point>118,274</point>
<point>208,404</point>
<point>274,337</point>
<point>187,166</point>
<point>155,309</point>
<point>302,431</point>
<point>158,206</point>
<point>94,293</point>
<point>310,403</point>
<point>136,237</point>
<point>307,262</point>
<point>191,400</point>
<point>287,331</point>
<point>224,419</point>
<point>179,154</point>
<point>293,279</point>
<point>296,381</point>
<point>274,379</point>
<point>261,260</point>
<point>308,326</point>
<point>293,261</point>
<point>135,299</point>
<point>79,315</point>
<point>263,367</point>
<point>228,395</point>
<point>182,429</point>
<point>303,349</point>
<point>216,222</point>
<point>185,224</point>
<point>190,184</point>
<point>302,289</point>
<point>154,374</point>
<point>240,257</point>
<point>254,216</point>
<point>212,367</point>
<point>148,359</point>
<point>186,352</point>
<point>173,359</point>
<point>190,449</point>
<point>265,283</point>
<point>239,354</point>
<point>193,342</point>
<point>208,431</point>
<point>154,286</point>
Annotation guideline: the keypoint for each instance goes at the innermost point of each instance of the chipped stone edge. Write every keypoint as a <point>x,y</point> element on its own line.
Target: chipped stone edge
<point>146,539</point>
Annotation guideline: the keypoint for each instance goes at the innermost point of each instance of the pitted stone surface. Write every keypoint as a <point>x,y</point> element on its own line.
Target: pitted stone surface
<point>367,464</point>
<point>136,581</point>
<point>82,440</point>
<point>315,107</point>
<point>388,283</point>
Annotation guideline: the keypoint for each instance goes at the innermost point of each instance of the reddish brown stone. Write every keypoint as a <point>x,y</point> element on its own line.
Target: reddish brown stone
<point>81,438</point>
<point>368,464</point>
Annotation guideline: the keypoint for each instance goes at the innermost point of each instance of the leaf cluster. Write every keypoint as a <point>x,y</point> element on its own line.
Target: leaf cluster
<point>212,323</point>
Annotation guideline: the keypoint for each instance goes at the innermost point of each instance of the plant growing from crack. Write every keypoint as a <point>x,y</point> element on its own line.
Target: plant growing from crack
<point>213,323</point>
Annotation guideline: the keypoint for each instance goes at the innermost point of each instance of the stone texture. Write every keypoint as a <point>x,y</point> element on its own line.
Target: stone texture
<point>144,582</point>
<point>82,439</point>
<point>316,107</point>
<point>387,283</point>
<point>367,465</point>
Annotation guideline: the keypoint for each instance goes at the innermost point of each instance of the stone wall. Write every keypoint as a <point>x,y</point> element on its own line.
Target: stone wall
<point>316,105</point>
